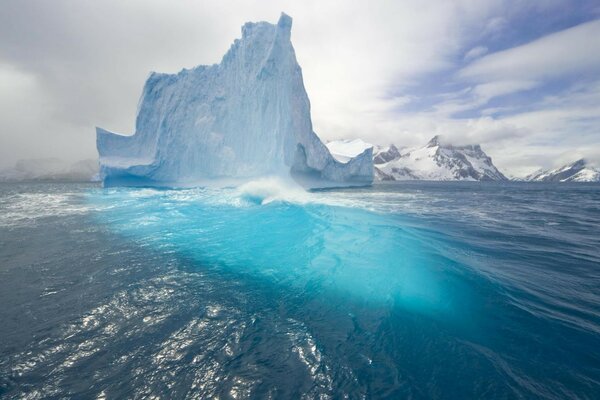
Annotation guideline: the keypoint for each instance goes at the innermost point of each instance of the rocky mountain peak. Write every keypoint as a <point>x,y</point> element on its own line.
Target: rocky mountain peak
<point>437,160</point>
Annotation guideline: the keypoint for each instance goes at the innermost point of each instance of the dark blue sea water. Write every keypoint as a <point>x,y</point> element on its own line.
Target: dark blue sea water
<point>411,290</point>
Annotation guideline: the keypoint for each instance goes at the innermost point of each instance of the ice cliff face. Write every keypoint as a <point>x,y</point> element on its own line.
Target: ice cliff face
<point>436,161</point>
<point>578,171</point>
<point>246,117</point>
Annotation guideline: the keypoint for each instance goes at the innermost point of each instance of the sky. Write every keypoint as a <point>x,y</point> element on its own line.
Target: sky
<point>519,77</point>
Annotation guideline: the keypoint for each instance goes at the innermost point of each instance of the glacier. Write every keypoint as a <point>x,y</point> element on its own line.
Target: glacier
<point>247,117</point>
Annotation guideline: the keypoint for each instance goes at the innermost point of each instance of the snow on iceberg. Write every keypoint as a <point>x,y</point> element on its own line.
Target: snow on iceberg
<point>247,117</point>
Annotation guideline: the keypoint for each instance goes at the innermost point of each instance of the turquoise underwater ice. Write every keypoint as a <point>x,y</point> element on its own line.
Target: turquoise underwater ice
<point>297,239</point>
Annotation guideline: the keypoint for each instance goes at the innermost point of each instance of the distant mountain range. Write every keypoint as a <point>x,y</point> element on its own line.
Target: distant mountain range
<point>440,161</point>
<point>579,171</point>
<point>51,169</point>
<point>436,161</point>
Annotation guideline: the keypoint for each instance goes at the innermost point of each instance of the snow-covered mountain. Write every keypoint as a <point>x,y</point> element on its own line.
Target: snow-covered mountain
<point>247,117</point>
<point>386,154</point>
<point>51,169</point>
<point>578,171</point>
<point>436,161</point>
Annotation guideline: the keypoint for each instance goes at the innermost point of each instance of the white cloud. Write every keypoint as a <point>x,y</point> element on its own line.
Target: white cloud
<point>495,26</point>
<point>476,52</point>
<point>479,96</point>
<point>571,51</point>
<point>489,90</point>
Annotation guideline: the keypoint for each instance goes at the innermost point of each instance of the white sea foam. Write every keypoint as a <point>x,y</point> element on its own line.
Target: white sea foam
<point>270,189</point>
<point>25,208</point>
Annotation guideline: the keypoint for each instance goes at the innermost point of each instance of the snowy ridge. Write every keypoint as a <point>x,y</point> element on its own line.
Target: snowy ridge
<point>386,154</point>
<point>436,161</point>
<point>578,171</point>
<point>247,117</point>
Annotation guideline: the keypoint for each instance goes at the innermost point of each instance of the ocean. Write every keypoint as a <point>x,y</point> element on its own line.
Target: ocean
<point>417,290</point>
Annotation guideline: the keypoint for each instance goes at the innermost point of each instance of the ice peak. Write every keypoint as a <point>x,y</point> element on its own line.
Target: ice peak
<point>285,23</point>
<point>442,142</point>
<point>283,26</point>
<point>435,141</point>
<point>581,163</point>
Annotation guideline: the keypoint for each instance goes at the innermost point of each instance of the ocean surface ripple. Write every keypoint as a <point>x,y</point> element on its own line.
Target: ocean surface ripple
<point>409,290</point>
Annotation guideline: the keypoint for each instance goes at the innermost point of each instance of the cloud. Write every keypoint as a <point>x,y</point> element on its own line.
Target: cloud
<point>489,90</point>
<point>476,52</point>
<point>495,26</point>
<point>571,51</point>
<point>479,95</point>
<point>20,109</point>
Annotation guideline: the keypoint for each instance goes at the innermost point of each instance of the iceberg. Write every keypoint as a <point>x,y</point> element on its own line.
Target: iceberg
<point>247,117</point>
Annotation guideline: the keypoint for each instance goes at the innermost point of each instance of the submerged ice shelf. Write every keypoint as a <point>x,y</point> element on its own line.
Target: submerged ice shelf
<point>247,117</point>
